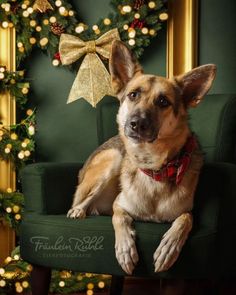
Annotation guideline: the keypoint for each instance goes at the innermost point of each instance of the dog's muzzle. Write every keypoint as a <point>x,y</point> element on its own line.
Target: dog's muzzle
<point>140,127</point>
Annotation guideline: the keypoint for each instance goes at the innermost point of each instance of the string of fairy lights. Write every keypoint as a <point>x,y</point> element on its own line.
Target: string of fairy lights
<point>39,24</point>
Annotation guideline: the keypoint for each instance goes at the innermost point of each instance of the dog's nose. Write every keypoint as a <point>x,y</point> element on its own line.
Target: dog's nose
<point>139,124</point>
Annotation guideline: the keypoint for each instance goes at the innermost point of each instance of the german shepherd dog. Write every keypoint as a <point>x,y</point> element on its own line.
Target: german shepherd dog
<point>150,170</point>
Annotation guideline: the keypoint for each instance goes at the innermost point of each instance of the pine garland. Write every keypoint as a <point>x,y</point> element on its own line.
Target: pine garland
<point>15,83</point>
<point>137,21</point>
<point>15,276</point>
<point>12,208</point>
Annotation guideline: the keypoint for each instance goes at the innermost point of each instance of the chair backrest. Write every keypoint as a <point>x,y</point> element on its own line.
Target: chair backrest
<point>214,122</point>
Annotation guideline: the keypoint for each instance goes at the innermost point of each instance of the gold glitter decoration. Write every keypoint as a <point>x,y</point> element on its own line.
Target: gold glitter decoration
<point>42,6</point>
<point>93,81</point>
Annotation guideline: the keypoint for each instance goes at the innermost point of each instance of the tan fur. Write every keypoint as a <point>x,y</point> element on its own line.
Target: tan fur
<point>112,174</point>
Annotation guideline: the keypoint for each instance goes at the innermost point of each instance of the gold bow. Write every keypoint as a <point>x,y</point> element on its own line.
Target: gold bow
<point>42,6</point>
<point>93,81</point>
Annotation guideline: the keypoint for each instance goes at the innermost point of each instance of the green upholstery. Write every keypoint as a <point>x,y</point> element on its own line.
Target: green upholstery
<point>49,238</point>
<point>214,121</point>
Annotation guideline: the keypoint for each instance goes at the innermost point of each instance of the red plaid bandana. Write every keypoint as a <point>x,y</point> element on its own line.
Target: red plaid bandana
<point>175,169</point>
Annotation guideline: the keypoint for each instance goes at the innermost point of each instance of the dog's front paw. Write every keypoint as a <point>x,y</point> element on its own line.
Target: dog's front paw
<point>126,254</point>
<point>76,212</point>
<point>168,251</point>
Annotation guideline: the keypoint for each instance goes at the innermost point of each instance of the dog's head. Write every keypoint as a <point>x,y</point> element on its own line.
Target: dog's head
<point>154,107</point>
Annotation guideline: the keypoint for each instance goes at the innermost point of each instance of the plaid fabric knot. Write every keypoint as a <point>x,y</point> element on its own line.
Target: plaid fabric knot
<point>175,169</point>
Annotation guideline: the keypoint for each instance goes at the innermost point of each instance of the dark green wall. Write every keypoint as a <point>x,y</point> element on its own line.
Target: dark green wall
<point>71,132</point>
<point>217,41</point>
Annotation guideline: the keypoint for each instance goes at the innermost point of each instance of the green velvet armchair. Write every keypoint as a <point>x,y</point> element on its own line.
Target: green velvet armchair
<point>50,240</point>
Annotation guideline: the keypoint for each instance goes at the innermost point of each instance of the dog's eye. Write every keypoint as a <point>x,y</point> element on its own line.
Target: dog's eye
<point>162,102</point>
<point>133,95</point>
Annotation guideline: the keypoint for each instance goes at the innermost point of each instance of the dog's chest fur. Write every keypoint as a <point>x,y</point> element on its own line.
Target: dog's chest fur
<point>146,199</point>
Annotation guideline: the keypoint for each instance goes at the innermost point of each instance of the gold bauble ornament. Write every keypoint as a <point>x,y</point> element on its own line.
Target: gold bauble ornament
<point>42,6</point>
<point>9,274</point>
<point>8,259</point>
<point>14,136</point>
<point>152,32</point>
<point>64,274</point>
<point>90,286</point>
<point>22,49</point>
<point>16,209</point>
<point>45,21</point>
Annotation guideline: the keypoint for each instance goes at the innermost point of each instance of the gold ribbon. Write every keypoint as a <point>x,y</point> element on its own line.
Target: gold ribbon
<point>42,6</point>
<point>93,81</point>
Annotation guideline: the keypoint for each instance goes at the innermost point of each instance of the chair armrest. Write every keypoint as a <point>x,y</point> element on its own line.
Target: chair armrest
<point>215,199</point>
<point>49,187</point>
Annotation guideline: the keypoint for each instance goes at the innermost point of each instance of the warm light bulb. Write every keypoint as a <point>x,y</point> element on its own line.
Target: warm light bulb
<point>95,27</point>
<point>58,3</point>
<point>52,19</point>
<point>107,21</point>
<point>55,62</point>
<point>79,29</point>
<point>151,4</point>
<point>127,8</point>
<point>144,31</point>
<point>62,284</point>
<point>131,42</point>
<point>163,16</point>
<point>5,24</point>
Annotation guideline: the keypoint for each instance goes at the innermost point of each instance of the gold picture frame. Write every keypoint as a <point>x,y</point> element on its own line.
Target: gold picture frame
<point>181,57</point>
<point>182,36</point>
<point>7,117</point>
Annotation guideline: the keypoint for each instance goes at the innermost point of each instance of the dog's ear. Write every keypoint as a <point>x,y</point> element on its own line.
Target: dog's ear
<point>123,66</point>
<point>196,83</point>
